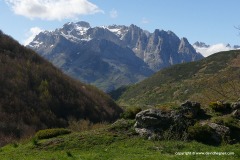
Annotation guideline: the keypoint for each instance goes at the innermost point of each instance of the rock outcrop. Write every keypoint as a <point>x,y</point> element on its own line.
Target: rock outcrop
<point>236,113</point>
<point>188,119</point>
<point>236,105</point>
<point>219,132</point>
<point>152,123</point>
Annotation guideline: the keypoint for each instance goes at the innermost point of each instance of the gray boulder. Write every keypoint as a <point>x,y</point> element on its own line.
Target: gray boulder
<point>219,133</point>
<point>236,105</point>
<point>236,113</point>
<point>161,124</point>
<point>152,118</point>
<point>191,109</point>
<point>152,123</point>
<point>148,133</point>
<point>219,129</point>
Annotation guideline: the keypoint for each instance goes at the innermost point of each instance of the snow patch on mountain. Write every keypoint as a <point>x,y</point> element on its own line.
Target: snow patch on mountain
<point>118,30</point>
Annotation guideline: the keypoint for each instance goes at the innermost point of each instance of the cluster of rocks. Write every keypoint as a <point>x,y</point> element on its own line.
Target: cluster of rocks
<point>157,123</point>
<point>152,123</point>
<point>236,110</point>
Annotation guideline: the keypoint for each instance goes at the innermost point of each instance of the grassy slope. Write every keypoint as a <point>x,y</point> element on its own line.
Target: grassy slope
<point>213,78</point>
<point>103,144</point>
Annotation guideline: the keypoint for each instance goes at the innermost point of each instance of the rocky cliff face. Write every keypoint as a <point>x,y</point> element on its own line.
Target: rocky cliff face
<point>159,49</point>
<point>111,56</point>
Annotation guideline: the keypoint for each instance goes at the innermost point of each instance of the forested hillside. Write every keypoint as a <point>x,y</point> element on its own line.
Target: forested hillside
<point>35,95</point>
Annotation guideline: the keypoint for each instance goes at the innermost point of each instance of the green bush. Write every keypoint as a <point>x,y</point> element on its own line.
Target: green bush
<point>35,141</point>
<point>201,133</point>
<point>69,154</point>
<point>50,133</point>
<point>130,113</point>
<point>220,107</point>
<point>123,125</point>
<point>228,121</point>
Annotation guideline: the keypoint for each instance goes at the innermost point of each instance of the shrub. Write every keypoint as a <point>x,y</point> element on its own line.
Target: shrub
<point>201,133</point>
<point>81,125</point>
<point>35,141</point>
<point>85,125</point>
<point>228,121</point>
<point>15,144</point>
<point>122,125</point>
<point>130,113</point>
<point>69,154</point>
<point>220,107</point>
<point>50,133</point>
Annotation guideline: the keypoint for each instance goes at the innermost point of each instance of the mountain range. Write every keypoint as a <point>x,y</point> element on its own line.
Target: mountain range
<point>36,95</point>
<point>111,56</point>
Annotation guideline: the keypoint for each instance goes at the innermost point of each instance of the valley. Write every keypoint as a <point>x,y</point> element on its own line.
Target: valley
<point>177,109</point>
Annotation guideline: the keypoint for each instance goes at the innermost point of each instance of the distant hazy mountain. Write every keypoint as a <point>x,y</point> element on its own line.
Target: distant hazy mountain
<point>111,56</point>
<point>207,50</point>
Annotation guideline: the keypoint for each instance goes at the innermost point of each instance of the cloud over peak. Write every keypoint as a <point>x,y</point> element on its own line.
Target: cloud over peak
<point>31,35</point>
<point>53,9</point>
<point>207,51</point>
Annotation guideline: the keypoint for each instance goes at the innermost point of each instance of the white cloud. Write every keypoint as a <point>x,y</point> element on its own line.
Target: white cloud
<point>207,51</point>
<point>31,34</point>
<point>145,20</point>
<point>52,9</point>
<point>113,13</point>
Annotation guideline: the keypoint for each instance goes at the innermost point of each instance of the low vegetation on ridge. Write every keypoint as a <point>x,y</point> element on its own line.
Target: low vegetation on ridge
<point>211,79</point>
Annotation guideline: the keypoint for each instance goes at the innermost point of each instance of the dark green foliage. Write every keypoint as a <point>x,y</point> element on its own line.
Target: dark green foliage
<point>220,107</point>
<point>50,133</point>
<point>15,144</point>
<point>130,113</point>
<point>69,154</point>
<point>115,94</point>
<point>232,123</point>
<point>35,141</point>
<point>201,133</point>
<point>35,95</point>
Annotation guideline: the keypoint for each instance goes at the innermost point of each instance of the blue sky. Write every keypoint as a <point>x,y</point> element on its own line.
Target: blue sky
<point>210,21</point>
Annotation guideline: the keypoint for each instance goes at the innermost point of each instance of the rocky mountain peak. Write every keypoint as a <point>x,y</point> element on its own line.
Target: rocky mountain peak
<point>236,46</point>
<point>201,44</point>
<point>72,25</point>
<point>156,32</point>
<point>71,46</point>
<point>83,24</point>
<point>228,45</point>
<point>185,46</point>
<point>68,26</point>
<point>183,42</point>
